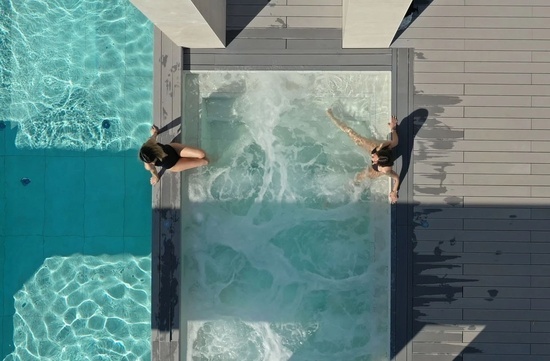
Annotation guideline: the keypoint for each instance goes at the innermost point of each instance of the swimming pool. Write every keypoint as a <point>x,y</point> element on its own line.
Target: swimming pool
<point>285,258</point>
<point>75,216</point>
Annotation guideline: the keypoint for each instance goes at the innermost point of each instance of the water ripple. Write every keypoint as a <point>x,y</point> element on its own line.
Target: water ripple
<point>62,87</point>
<point>85,308</point>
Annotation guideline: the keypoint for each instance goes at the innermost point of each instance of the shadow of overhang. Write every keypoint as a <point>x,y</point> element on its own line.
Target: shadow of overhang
<point>202,24</point>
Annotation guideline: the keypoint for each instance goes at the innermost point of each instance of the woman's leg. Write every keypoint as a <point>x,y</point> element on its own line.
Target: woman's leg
<point>185,151</point>
<point>368,144</point>
<point>188,163</point>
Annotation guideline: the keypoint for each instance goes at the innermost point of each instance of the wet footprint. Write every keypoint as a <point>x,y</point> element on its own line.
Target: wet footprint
<point>438,251</point>
<point>492,295</point>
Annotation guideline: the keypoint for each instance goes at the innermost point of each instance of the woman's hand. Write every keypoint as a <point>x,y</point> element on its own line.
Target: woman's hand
<point>393,123</point>
<point>154,130</point>
<point>154,179</point>
<point>393,197</point>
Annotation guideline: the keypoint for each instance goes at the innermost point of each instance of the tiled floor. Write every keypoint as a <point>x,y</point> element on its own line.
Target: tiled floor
<point>480,246</point>
<point>74,203</point>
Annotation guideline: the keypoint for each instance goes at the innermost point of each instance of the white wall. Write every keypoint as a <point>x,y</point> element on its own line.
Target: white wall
<point>371,23</point>
<point>188,23</point>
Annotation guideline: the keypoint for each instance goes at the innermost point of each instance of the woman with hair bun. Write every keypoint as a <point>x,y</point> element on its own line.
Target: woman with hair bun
<point>380,152</point>
<point>175,157</point>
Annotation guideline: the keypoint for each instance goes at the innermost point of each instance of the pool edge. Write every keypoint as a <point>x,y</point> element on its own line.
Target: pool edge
<point>402,212</point>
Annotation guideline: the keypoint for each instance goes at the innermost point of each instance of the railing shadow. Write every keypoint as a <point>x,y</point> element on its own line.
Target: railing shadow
<point>166,261</point>
<point>408,128</point>
<point>171,125</point>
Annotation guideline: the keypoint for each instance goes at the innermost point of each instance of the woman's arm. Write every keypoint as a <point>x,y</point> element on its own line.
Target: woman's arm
<point>367,173</point>
<point>393,129</point>
<point>154,133</point>
<point>394,194</point>
<point>154,174</point>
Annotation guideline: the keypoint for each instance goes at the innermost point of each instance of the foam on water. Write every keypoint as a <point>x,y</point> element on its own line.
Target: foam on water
<point>284,256</point>
<point>85,308</point>
<point>69,66</point>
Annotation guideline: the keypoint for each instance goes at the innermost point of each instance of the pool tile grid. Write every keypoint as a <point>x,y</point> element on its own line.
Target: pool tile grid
<point>58,205</point>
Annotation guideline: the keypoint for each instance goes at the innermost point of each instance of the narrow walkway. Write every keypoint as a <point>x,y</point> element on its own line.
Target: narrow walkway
<point>166,240</point>
<point>481,257</point>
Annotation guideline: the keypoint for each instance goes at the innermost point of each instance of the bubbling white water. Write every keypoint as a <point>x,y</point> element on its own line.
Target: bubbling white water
<point>285,258</point>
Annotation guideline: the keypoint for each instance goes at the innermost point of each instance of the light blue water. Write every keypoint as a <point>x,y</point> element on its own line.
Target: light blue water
<point>70,66</point>
<point>85,307</point>
<point>74,200</point>
<point>285,258</point>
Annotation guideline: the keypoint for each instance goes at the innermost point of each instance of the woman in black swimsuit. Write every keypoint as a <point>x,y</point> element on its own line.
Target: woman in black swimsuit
<point>380,151</point>
<point>174,156</point>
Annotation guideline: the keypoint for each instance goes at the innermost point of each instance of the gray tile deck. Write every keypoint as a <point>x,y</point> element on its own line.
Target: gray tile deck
<point>471,265</point>
<point>480,238</point>
<point>166,240</point>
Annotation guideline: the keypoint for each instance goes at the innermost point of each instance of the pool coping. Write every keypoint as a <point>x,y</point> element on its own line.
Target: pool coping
<point>402,213</point>
<point>166,204</point>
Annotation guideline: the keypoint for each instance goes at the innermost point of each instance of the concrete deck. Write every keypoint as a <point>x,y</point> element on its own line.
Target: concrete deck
<point>166,238</point>
<point>472,256</point>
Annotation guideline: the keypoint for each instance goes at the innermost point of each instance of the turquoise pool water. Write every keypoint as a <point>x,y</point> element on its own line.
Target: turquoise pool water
<point>285,258</point>
<point>75,212</point>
